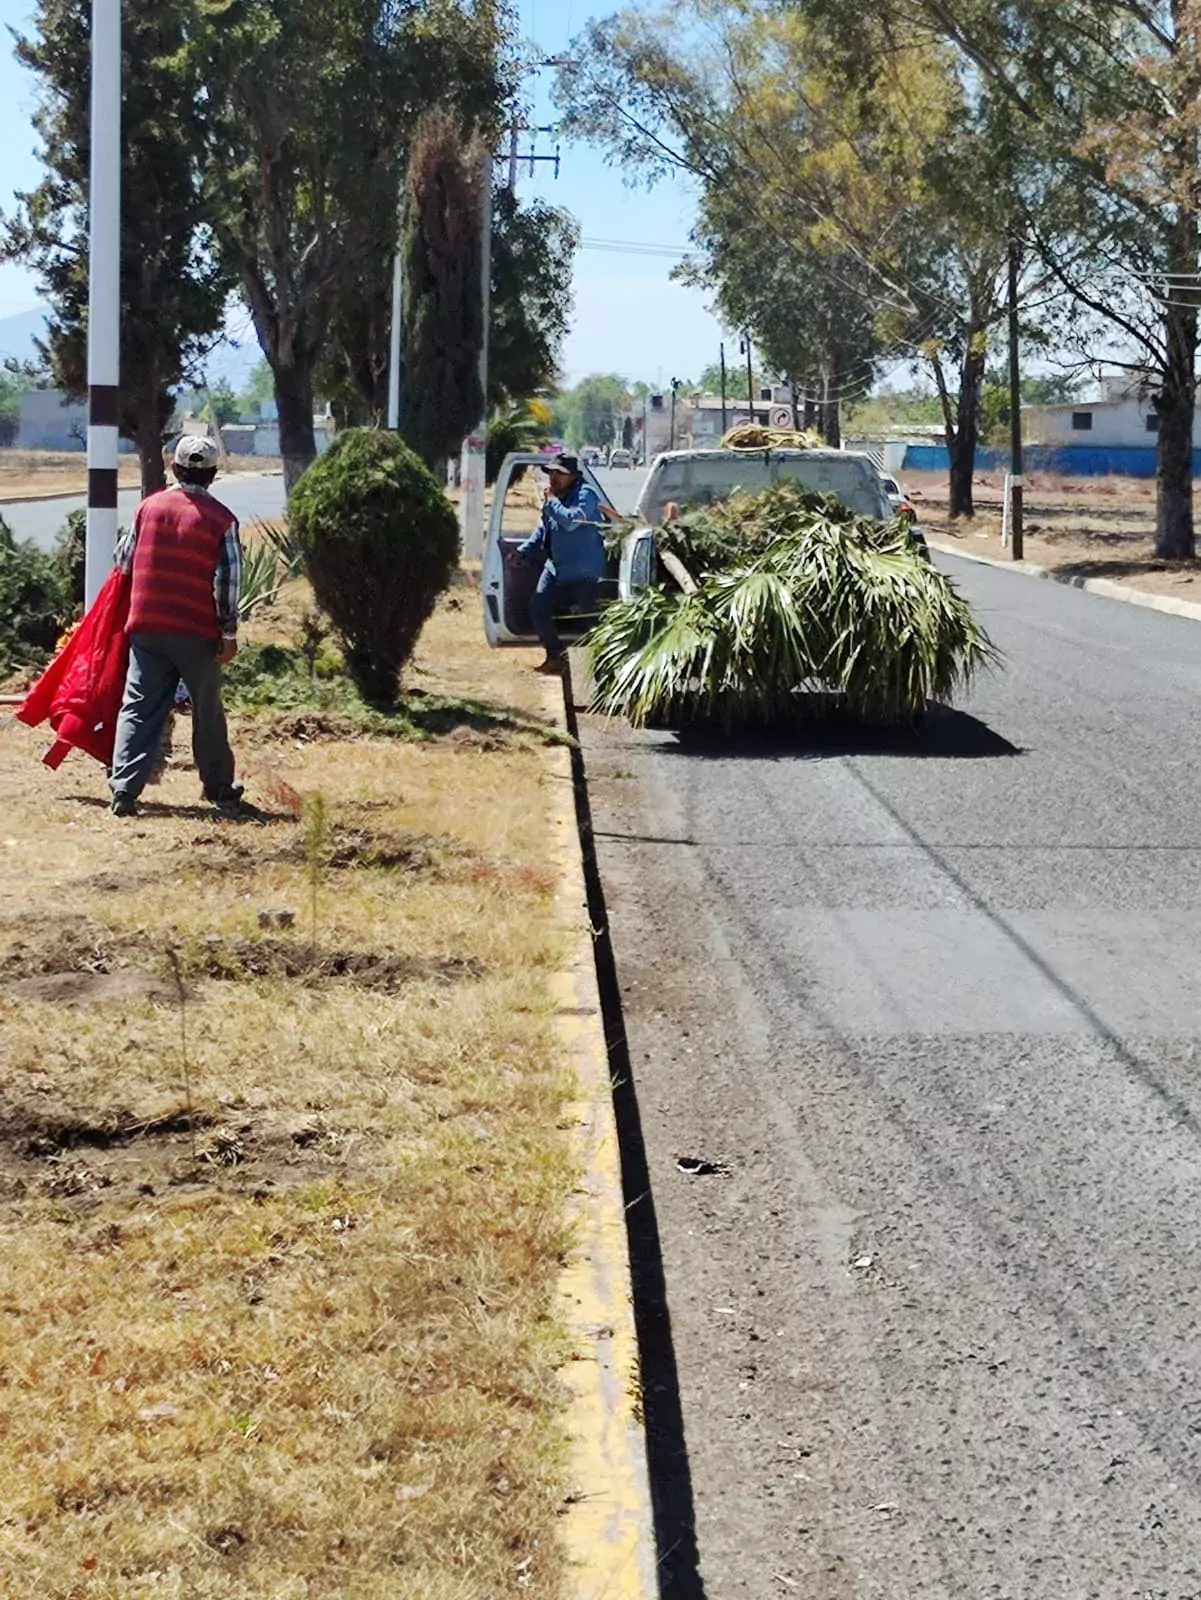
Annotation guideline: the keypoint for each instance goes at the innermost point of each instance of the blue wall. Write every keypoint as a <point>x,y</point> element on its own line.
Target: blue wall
<point>1069,460</point>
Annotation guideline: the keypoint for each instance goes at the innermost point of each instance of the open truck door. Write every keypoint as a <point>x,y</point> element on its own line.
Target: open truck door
<point>508,587</point>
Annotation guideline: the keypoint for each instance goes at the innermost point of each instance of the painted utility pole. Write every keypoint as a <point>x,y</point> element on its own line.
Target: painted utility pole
<point>722,348</point>
<point>745,346</point>
<point>104,294</point>
<point>1016,484</point>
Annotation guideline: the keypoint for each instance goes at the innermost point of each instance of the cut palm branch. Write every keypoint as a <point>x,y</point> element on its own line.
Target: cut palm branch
<point>798,598</point>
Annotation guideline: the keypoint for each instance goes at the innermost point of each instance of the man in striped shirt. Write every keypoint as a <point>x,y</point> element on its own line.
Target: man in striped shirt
<point>185,564</point>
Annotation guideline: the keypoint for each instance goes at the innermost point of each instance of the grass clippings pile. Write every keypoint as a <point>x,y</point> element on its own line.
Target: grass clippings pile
<point>281,1238</point>
<point>798,597</point>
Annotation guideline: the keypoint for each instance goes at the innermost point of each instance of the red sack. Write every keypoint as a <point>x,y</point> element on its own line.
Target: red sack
<point>80,691</point>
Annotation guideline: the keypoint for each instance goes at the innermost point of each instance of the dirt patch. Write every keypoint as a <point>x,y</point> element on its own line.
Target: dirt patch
<point>87,964</point>
<point>350,846</point>
<point>1082,528</point>
<point>92,988</point>
<point>126,1158</point>
<point>282,958</point>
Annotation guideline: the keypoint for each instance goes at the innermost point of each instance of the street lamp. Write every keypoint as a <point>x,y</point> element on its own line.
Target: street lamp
<point>675,384</point>
<point>104,295</point>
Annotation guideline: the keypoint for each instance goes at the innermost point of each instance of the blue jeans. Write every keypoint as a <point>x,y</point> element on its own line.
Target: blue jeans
<point>157,664</point>
<point>550,596</point>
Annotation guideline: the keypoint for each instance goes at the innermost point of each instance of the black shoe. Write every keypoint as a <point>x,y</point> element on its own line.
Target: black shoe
<point>552,667</point>
<point>228,798</point>
<point>124,805</point>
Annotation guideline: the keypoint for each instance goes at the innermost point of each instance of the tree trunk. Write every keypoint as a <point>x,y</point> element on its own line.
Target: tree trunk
<point>967,426</point>
<point>145,418</point>
<point>297,436</point>
<point>1175,536</point>
<point>149,442</point>
<point>810,415</point>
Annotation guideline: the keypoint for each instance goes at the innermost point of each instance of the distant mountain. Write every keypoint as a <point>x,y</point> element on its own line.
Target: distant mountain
<point>17,333</point>
<point>230,360</point>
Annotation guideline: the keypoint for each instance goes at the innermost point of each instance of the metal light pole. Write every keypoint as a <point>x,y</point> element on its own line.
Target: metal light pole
<point>104,294</point>
<point>471,482</point>
<point>1015,409</point>
<point>744,344</point>
<point>722,348</point>
<point>675,384</point>
<point>394,333</point>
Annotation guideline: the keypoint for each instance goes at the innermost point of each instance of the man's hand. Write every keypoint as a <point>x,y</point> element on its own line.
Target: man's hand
<point>228,650</point>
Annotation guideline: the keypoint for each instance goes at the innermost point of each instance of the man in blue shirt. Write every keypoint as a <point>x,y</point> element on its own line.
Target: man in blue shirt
<point>570,542</point>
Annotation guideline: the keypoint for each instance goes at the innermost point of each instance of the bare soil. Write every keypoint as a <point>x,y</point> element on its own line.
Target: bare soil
<point>282,1171</point>
<point>1086,527</point>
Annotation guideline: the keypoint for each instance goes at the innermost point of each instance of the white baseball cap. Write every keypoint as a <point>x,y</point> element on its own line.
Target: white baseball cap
<point>194,451</point>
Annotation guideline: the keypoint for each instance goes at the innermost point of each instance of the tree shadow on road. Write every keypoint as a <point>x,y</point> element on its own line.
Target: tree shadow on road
<point>943,734</point>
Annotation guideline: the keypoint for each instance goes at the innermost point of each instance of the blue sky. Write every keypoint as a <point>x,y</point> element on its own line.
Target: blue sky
<point>628,318</point>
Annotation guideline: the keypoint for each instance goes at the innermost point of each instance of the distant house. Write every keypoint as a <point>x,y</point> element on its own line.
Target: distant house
<point>1123,417</point>
<point>698,419</point>
<point>49,421</point>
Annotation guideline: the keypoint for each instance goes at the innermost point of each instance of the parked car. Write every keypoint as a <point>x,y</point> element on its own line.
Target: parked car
<point>897,496</point>
<point>621,458</point>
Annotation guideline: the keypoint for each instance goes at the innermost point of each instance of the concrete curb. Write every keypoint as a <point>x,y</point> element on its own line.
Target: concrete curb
<point>608,1528</point>
<point>1105,587</point>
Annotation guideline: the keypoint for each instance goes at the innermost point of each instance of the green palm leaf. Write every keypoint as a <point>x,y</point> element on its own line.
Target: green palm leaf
<point>799,596</point>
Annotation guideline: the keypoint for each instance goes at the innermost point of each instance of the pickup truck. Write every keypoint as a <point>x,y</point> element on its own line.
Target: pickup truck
<point>679,477</point>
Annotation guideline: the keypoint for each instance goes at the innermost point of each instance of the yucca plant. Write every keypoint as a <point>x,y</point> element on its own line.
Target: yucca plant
<point>797,597</point>
<point>283,541</point>
<point>262,578</point>
<point>269,560</point>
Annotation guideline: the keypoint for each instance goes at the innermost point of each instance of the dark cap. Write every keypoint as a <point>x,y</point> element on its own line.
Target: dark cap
<point>564,464</point>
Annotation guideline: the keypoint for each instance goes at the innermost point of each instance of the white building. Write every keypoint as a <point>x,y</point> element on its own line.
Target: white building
<point>698,419</point>
<point>1122,418</point>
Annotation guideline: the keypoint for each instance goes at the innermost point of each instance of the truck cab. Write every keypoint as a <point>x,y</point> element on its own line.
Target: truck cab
<point>507,588</point>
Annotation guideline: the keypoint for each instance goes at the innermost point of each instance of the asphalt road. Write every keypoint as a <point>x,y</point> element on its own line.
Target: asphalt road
<point>248,495</point>
<point>622,487</point>
<point>938,1007</point>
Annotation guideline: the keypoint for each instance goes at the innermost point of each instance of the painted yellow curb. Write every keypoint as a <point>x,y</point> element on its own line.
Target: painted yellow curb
<point>607,1529</point>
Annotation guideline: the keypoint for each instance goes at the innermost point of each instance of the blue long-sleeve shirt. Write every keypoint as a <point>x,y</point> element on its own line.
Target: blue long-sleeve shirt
<point>570,537</point>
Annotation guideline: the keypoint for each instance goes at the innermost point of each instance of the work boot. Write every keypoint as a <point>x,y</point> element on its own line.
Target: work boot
<point>123,805</point>
<point>552,667</point>
<point>227,798</point>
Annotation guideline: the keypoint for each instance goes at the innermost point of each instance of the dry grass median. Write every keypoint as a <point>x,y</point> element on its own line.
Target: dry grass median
<point>281,1205</point>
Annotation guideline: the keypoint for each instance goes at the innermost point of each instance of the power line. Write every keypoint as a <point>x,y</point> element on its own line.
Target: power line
<point>634,247</point>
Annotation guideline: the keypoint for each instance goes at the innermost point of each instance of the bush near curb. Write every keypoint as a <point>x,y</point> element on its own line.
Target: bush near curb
<point>380,543</point>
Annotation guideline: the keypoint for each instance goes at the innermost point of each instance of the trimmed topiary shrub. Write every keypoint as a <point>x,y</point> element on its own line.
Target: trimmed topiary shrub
<point>380,543</point>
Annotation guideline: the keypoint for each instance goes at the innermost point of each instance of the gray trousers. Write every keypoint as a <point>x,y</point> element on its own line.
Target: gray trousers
<point>157,661</point>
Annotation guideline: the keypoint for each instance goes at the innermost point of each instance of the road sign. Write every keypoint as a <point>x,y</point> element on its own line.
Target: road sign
<point>781,417</point>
